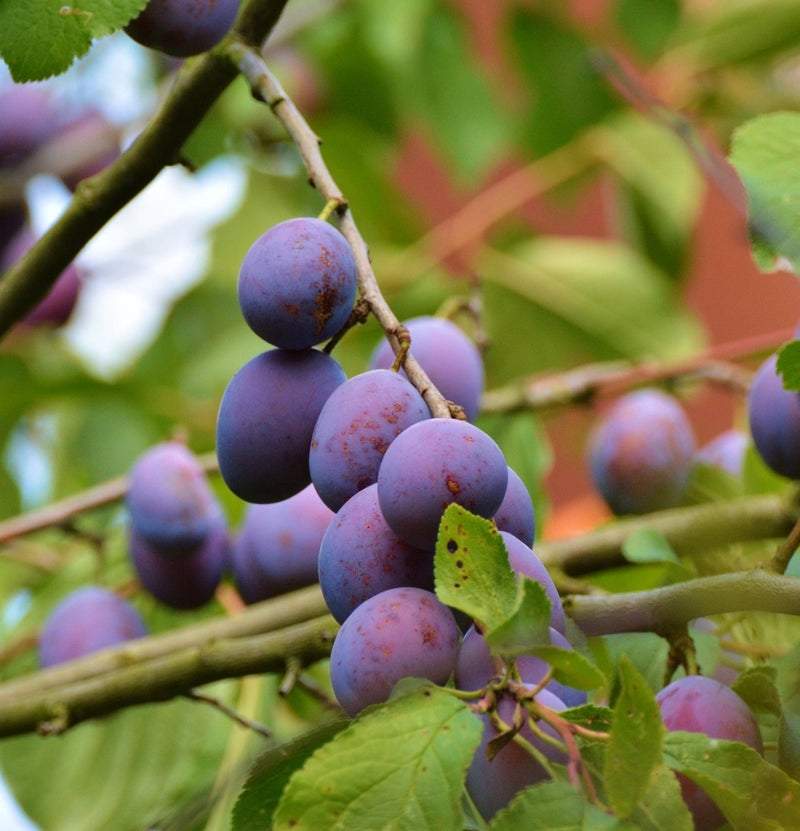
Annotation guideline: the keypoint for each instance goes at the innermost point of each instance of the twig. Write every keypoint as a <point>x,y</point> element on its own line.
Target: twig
<point>266,88</point>
<point>217,704</point>
<point>65,510</point>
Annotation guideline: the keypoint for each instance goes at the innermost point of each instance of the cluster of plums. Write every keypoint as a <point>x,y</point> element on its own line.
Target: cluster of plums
<point>347,480</point>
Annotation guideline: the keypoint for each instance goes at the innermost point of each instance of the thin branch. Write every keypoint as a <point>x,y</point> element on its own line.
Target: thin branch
<point>220,705</point>
<point>266,87</point>
<point>664,609</point>
<point>100,197</point>
<point>688,530</point>
<point>611,378</point>
<point>785,551</point>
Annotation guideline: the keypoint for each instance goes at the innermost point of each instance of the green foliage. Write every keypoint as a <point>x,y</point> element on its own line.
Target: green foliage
<point>789,365</point>
<point>41,38</point>
<point>471,567</point>
<point>511,129</point>
<point>750,792</point>
<point>399,765</point>
<point>634,748</point>
<point>762,152</point>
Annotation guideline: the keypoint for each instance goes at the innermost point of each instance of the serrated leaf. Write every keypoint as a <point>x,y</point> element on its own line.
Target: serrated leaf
<point>555,806</point>
<point>763,152</point>
<point>40,38</point>
<point>789,365</point>
<point>527,626</point>
<point>261,793</point>
<point>570,667</point>
<point>471,567</point>
<point>752,794</point>
<point>400,765</point>
<point>662,807</point>
<point>637,734</point>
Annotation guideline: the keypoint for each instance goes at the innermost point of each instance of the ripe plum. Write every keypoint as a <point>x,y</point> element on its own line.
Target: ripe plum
<point>432,464</point>
<point>357,424</point>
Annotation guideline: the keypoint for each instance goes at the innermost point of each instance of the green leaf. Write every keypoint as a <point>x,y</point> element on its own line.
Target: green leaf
<point>751,793</point>
<point>119,772</point>
<point>529,622</point>
<point>647,24</point>
<point>570,667</point>
<point>660,190</point>
<point>737,32</point>
<point>789,365</point>
<point>262,791</point>
<point>590,716</point>
<point>763,152</point>
<point>757,687</point>
<point>447,81</point>
<point>788,682</point>
<point>566,92</point>
<point>648,546</point>
<point>400,765</point>
<point>471,567</point>
<point>662,807</point>
<point>603,291</point>
<point>637,734</point>
<point>40,38</point>
<point>555,806</point>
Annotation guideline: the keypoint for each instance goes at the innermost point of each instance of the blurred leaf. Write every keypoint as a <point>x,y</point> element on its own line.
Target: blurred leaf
<point>647,24</point>
<point>565,91</point>
<point>648,546</point>
<point>403,761</point>
<point>661,189</point>
<point>731,33</point>
<point>471,567</point>
<point>468,127</point>
<point>637,735</point>
<point>788,682</point>
<point>763,151</point>
<point>752,794</point>
<point>602,290</point>
<point>757,687</point>
<point>789,365</point>
<point>262,791</point>
<point>120,772</point>
<point>39,39</point>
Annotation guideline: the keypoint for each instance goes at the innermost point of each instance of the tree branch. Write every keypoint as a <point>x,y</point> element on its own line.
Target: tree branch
<point>664,609</point>
<point>54,710</point>
<point>688,530</point>
<point>260,618</point>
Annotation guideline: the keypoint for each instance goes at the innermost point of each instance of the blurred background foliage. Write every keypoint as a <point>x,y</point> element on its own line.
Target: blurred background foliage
<point>539,170</point>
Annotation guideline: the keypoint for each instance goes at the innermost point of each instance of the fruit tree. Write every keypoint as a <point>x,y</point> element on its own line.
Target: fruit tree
<point>400,415</point>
